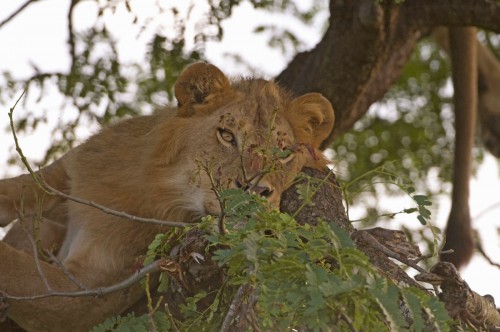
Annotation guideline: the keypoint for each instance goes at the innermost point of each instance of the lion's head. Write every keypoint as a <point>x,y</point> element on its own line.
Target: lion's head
<point>248,134</point>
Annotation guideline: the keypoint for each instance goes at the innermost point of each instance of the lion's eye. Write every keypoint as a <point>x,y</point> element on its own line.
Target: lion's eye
<point>226,137</point>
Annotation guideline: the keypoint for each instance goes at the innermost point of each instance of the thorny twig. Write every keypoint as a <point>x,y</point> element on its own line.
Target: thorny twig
<point>348,321</point>
<point>313,192</point>
<point>151,309</point>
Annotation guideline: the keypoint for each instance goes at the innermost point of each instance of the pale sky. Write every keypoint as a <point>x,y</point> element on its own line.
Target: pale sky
<point>38,36</point>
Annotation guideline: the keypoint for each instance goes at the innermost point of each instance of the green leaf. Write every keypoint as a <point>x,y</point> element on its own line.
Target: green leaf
<point>387,296</point>
<point>437,313</point>
<point>422,200</point>
<point>422,220</point>
<point>413,304</point>
<point>164,282</point>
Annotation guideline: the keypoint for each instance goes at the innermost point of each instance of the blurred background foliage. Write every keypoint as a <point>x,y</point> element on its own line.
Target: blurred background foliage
<point>412,127</point>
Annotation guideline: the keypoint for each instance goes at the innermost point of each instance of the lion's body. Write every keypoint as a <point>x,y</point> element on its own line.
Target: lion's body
<point>158,167</point>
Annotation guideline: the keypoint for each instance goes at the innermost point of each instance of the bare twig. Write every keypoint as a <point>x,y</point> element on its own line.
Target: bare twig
<point>56,261</point>
<point>480,249</point>
<point>373,242</point>
<point>314,191</point>
<point>430,255</point>
<point>18,148</point>
<point>17,12</point>
<point>348,321</point>
<point>71,33</point>
<point>233,308</point>
<point>215,188</point>
<point>151,268</point>
<point>37,259</point>
<point>107,210</point>
<point>486,211</point>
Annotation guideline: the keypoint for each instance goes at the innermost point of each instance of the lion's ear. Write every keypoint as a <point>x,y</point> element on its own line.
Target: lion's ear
<point>198,83</point>
<point>312,118</point>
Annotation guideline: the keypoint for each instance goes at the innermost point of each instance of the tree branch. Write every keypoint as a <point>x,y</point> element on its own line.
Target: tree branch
<point>453,13</point>
<point>377,39</point>
<point>107,210</point>
<point>71,33</point>
<point>17,12</point>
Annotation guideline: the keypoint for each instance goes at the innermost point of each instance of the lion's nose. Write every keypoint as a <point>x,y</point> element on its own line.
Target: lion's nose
<point>262,188</point>
<point>263,191</point>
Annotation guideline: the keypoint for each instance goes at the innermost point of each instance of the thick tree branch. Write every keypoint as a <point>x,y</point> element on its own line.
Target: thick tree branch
<point>359,72</point>
<point>366,46</point>
<point>453,13</point>
<point>460,301</point>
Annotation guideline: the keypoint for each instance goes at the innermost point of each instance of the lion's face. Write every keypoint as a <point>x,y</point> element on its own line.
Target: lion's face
<point>246,145</point>
<point>249,135</point>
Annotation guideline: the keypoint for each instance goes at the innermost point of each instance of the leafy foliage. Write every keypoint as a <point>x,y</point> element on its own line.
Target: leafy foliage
<point>130,323</point>
<point>299,277</point>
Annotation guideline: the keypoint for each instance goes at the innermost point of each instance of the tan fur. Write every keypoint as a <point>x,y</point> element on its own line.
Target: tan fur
<point>152,166</point>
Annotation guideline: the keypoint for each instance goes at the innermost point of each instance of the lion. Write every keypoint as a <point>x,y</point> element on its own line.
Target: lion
<point>247,133</point>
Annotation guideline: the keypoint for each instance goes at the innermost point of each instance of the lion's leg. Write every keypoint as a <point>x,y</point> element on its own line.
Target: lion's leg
<point>46,228</point>
<point>22,195</point>
<point>20,277</point>
<point>49,235</point>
